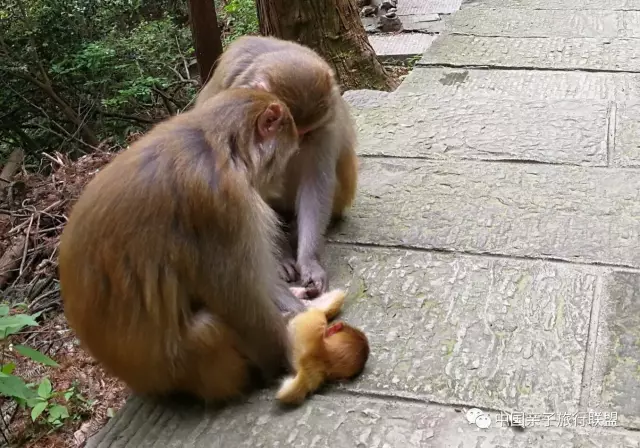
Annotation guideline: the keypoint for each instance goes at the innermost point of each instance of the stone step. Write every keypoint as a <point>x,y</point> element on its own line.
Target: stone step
<point>400,47</point>
<point>542,53</point>
<point>577,214</point>
<point>473,331</point>
<point>512,115</point>
<point>508,22</point>
<point>341,422</point>
<point>576,5</point>
<point>364,99</point>
<point>521,84</point>
<point>484,128</point>
<point>418,7</point>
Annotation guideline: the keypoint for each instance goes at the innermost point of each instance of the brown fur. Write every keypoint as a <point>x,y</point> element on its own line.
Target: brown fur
<point>319,357</point>
<point>168,262</point>
<point>327,163</point>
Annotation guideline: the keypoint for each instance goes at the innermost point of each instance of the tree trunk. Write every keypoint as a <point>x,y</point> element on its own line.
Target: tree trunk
<point>206,36</point>
<point>333,29</point>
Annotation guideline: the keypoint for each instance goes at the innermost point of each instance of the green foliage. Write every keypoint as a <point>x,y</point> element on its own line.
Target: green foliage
<point>41,398</point>
<point>75,72</point>
<point>117,64</point>
<point>242,17</point>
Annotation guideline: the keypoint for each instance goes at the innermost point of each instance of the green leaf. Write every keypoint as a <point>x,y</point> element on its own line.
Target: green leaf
<point>35,355</point>
<point>37,410</point>
<point>12,386</point>
<point>17,319</point>
<point>31,402</point>
<point>4,310</point>
<point>58,412</point>
<point>44,390</point>
<point>8,368</point>
<point>13,324</point>
<point>68,394</point>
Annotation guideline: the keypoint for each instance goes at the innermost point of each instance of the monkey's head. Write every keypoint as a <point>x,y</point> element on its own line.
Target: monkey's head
<point>303,81</point>
<point>347,349</point>
<point>258,131</point>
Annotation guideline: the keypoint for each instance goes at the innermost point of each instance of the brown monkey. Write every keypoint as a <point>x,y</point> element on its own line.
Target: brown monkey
<point>321,179</point>
<point>168,265</point>
<point>321,352</point>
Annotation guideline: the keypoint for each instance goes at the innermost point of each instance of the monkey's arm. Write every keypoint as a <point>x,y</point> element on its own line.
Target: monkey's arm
<point>314,202</point>
<point>249,307</point>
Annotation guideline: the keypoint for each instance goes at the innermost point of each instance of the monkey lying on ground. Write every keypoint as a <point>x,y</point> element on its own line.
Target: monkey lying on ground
<point>321,179</point>
<point>168,267</point>
<point>321,352</point>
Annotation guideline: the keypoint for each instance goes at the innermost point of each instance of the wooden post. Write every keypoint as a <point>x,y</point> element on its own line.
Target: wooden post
<point>206,36</point>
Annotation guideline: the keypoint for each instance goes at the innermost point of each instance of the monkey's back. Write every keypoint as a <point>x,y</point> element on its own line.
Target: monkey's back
<point>147,240</point>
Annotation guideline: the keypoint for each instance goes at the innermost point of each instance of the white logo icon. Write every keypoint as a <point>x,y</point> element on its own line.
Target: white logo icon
<point>481,420</point>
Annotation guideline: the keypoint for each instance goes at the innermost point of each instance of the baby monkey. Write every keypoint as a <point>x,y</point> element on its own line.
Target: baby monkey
<point>321,352</point>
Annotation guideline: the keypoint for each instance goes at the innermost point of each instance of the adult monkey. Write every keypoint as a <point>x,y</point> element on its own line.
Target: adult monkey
<point>168,267</point>
<point>321,180</point>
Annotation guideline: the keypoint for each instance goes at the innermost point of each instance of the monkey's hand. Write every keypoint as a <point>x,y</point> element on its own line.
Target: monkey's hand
<point>312,274</point>
<point>303,294</point>
<point>288,269</point>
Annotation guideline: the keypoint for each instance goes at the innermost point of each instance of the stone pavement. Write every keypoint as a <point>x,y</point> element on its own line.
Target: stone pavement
<point>492,255</point>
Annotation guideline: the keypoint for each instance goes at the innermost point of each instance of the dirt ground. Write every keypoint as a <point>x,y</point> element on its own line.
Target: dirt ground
<point>31,220</point>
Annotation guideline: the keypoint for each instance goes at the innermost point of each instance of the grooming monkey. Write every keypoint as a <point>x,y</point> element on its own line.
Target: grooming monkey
<point>321,352</point>
<point>168,264</point>
<point>320,180</point>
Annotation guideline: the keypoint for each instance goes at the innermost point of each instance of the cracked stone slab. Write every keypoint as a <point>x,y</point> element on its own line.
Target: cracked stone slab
<point>616,377</point>
<point>627,140</point>
<point>340,422</point>
<point>430,23</point>
<point>363,99</point>
<point>578,214</point>
<point>400,46</point>
<point>419,7</point>
<point>521,84</point>
<point>576,5</point>
<point>440,127</point>
<point>543,23</point>
<point>480,331</point>
<point>551,53</point>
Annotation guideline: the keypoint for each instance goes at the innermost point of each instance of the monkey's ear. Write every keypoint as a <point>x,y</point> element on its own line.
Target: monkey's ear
<point>269,121</point>
<point>333,329</point>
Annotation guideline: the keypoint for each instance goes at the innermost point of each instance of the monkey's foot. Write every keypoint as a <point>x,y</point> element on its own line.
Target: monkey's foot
<point>312,274</point>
